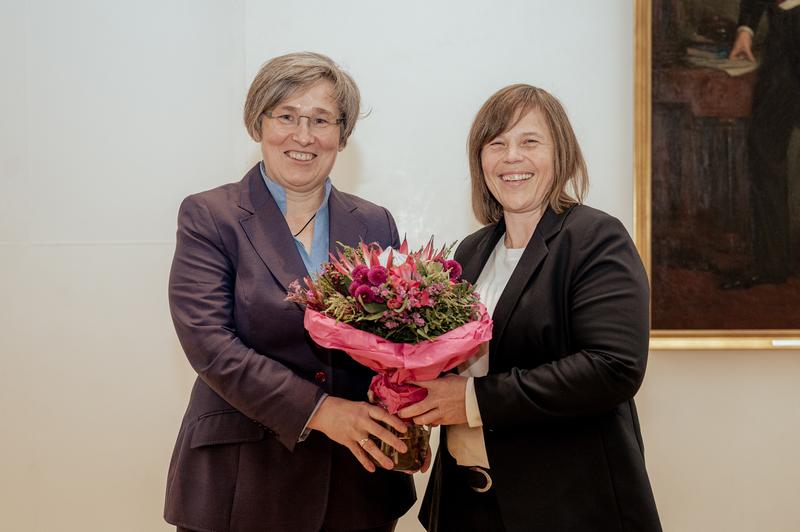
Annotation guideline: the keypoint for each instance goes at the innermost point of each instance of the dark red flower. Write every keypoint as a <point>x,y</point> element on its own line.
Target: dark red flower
<point>352,288</point>
<point>364,293</point>
<point>360,274</point>
<point>377,275</point>
<point>454,267</point>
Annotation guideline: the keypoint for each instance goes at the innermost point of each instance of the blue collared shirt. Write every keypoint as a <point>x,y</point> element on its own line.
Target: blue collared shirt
<point>319,244</point>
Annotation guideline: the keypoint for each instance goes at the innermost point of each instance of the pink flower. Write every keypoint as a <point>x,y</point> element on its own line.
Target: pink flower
<point>377,275</point>
<point>359,274</point>
<point>418,321</point>
<point>454,267</point>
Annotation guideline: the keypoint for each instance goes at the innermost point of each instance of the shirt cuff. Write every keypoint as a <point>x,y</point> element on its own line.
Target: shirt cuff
<point>471,402</point>
<point>748,29</point>
<point>306,431</point>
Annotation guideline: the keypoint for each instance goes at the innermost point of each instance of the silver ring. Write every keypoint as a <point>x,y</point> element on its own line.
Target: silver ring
<point>363,441</point>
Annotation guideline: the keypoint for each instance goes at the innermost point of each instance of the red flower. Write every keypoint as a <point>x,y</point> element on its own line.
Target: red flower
<point>394,303</point>
<point>424,299</point>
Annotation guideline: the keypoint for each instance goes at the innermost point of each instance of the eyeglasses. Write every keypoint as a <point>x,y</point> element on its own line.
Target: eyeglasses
<point>288,120</point>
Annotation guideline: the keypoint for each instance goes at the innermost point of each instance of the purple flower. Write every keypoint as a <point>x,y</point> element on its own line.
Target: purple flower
<point>360,274</point>
<point>455,269</point>
<point>377,275</point>
<point>364,293</point>
<point>418,321</point>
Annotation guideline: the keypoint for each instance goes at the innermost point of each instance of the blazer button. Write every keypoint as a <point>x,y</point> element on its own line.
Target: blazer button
<point>320,377</point>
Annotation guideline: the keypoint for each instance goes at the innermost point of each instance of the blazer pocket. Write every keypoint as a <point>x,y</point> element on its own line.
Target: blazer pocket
<point>219,428</point>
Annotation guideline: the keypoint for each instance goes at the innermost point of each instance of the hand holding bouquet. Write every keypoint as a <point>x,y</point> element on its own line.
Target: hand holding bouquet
<point>406,315</point>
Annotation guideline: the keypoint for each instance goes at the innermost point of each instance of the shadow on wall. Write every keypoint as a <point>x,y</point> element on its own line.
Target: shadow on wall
<point>348,172</point>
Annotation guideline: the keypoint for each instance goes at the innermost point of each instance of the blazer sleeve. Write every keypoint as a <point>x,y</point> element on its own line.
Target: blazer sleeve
<point>607,331</point>
<point>750,12</point>
<point>201,297</point>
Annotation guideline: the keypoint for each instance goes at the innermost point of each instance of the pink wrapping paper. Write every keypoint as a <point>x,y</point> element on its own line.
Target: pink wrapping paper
<point>398,363</point>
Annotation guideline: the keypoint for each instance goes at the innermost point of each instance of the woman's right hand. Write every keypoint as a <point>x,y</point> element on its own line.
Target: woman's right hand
<point>743,46</point>
<point>350,423</point>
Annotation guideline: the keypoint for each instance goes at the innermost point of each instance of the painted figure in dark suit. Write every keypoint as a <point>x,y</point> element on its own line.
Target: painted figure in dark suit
<point>540,430</point>
<point>276,434</point>
<point>776,112</point>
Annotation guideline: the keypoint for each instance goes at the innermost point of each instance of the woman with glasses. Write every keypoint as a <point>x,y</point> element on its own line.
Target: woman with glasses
<point>540,428</point>
<point>276,435</point>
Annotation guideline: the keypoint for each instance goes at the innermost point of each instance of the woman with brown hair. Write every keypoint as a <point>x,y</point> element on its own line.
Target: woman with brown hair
<point>540,430</point>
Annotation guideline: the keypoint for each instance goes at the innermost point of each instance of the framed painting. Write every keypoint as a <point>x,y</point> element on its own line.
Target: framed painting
<point>717,171</point>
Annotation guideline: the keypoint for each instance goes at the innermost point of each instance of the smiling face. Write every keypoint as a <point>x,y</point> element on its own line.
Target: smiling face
<point>300,158</point>
<point>518,165</point>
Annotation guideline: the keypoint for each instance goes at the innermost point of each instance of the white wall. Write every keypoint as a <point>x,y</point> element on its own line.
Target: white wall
<point>111,112</point>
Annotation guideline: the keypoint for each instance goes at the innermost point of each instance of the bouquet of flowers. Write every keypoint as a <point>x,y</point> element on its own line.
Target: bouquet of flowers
<point>406,315</point>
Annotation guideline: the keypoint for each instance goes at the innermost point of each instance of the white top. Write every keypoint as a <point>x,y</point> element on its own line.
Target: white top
<point>465,442</point>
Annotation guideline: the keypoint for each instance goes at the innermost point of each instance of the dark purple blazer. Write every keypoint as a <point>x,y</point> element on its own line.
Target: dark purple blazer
<point>237,464</point>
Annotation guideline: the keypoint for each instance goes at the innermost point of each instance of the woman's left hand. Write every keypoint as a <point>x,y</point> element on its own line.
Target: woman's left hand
<point>444,405</point>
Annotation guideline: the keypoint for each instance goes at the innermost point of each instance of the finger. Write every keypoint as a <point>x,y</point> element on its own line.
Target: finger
<point>375,452</point>
<point>362,457</point>
<point>432,417</point>
<point>416,409</point>
<point>750,55</point>
<point>379,414</point>
<point>423,384</point>
<point>385,435</point>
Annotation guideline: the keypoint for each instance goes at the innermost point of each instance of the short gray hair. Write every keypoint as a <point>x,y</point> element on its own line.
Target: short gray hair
<point>283,76</point>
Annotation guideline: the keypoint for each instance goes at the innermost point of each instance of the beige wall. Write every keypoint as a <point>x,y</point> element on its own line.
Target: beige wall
<point>111,112</point>
<point>722,433</point>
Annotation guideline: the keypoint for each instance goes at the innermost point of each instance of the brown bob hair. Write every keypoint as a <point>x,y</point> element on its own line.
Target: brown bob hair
<point>283,76</point>
<point>500,113</point>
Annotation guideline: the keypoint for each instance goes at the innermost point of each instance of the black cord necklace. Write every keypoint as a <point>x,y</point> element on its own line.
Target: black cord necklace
<point>306,225</point>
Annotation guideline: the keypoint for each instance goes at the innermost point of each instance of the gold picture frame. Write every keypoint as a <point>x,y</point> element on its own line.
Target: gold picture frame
<point>675,339</point>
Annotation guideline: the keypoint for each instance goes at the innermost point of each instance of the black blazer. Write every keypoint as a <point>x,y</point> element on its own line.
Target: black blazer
<point>237,465</point>
<point>750,12</point>
<point>567,356</point>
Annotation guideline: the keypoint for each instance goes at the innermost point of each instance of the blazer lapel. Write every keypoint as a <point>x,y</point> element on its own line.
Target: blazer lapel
<point>268,232</point>
<point>535,252</point>
<point>472,267</point>
<point>344,223</point>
